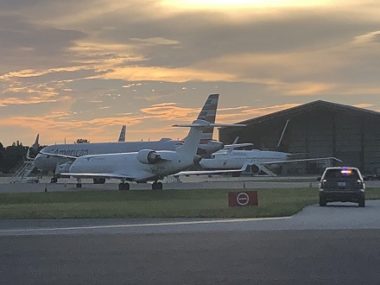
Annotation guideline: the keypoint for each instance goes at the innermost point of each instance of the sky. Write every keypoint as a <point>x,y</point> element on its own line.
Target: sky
<point>81,69</point>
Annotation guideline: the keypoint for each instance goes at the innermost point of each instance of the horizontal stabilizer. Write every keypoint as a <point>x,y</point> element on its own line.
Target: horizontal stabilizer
<point>204,124</point>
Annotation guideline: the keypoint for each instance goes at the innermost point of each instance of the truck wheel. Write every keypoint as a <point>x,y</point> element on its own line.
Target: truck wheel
<point>361,202</point>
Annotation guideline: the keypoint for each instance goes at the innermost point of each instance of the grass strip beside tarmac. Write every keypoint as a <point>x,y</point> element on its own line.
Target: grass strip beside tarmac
<point>157,204</point>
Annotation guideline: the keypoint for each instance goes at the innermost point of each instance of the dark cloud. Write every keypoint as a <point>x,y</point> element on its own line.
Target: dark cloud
<point>37,10</point>
<point>31,46</point>
<point>68,45</point>
<point>205,35</point>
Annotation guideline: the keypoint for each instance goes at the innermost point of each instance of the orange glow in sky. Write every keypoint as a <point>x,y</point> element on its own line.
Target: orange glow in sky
<point>236,4</point>
<point>81,69</point>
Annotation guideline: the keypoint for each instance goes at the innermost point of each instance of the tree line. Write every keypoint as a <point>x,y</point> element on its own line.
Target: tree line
<point>11,157</point>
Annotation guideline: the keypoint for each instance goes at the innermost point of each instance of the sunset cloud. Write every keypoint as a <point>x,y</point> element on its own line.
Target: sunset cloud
<point>60,125</point>
<point>169,111</point>
<point>233,115</point>
<point>372,37</point>
<point>177,75</point>
<point>87,67</point>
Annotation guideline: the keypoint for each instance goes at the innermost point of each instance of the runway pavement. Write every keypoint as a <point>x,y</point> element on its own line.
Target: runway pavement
<point>260,257</point>
<point>336,216</point>
<point>338,244</point>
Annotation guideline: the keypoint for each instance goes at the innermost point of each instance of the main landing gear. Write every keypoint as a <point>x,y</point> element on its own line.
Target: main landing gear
<point>99,180</point>
<point>124,186</point>
<point>157,185</point>
<point>79,183</point>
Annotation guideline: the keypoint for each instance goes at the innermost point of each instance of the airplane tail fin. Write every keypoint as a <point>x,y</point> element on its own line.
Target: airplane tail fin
<point>33,150</point>
<point>191,142</point>
<point>282,134</point>
<point>36,143</point>
<point>208,114</point>
<point>122,134</point>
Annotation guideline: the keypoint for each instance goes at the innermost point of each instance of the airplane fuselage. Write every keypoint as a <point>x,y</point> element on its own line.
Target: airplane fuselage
<point>49,163</point>
<point>127,164</point>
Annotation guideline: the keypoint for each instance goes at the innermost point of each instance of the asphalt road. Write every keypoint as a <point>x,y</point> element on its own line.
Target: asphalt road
<point>263,257</point>
<point>336,216</point>
<point>339,244</point>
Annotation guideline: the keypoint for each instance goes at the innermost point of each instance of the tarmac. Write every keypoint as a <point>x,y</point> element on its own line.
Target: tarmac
<point>338,244</point>
<point>336,216</point>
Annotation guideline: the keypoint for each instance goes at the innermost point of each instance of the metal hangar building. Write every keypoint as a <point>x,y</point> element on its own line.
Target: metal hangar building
<point>316,129</point>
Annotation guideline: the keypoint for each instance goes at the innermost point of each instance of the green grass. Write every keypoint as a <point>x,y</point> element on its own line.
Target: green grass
<point>158,204</point>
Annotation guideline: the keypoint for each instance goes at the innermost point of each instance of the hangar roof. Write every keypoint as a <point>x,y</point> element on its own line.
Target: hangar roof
<point>315,105</point>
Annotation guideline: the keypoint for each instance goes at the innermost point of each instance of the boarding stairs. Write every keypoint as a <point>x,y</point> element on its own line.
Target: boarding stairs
<point>22,174</point>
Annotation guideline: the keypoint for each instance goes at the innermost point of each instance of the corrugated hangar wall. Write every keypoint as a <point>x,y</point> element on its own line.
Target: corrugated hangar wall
<point>317,129</point>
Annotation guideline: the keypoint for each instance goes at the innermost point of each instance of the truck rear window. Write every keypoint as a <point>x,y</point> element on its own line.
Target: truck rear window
<point>342,173</point>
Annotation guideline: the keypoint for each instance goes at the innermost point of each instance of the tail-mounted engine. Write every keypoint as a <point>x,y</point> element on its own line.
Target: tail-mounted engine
<point>148,156</point>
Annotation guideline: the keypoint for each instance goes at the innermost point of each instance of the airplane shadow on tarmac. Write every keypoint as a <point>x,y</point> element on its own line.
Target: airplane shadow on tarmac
<point>343,206</point>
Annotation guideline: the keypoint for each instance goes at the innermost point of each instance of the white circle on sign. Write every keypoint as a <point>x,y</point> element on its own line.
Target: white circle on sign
<point>242,199</point>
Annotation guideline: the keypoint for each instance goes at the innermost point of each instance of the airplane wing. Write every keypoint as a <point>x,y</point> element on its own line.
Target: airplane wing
<point>139,177</point>
<point>210,172</point>
<point>95,175</point>
<point>298,160</point>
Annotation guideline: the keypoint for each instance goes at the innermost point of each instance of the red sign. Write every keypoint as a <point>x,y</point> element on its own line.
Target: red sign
<point>242,199</point>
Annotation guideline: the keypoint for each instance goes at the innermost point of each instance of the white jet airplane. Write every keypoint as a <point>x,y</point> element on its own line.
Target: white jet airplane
<point>254,160</point>
<point>48,160</point>
<point>144,165</point>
